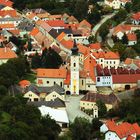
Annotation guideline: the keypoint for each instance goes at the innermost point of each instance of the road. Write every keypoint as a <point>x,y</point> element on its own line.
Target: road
<point>73,108</point>
<point>106,17</point>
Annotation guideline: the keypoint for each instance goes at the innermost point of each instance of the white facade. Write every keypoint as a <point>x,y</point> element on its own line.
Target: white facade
<point>103,81</point>
<point>50,81</point>
<point>136,22</point>
<point>74,74</point>
<point>2,61</point>
<point>53,95</point>
<point>131,43</point>
<point>112,136</point>
<point>115,4</point>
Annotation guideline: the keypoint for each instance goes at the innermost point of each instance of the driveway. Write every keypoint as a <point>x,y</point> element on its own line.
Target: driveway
<point>73,108</point>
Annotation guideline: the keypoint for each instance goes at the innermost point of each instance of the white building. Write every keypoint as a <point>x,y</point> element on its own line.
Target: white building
<point>60,116</point>
<point>116,4</point>
<point>123,131</point>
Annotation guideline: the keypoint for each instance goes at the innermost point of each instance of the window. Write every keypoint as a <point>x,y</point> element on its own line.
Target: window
<point>35,99</point>
<point>74,64</point>
<point>47,82</point>
<point>88,85</point>
<point>98,79</point>
<point>61,84</point>
<point>114,62</point>
<point>54,83</point>
<point>82,82</point>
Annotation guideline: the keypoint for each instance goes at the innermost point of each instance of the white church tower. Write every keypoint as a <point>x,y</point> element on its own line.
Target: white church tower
<point>74,69</point>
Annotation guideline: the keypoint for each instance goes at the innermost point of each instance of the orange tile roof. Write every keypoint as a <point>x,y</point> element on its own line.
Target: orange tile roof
<point>89,65</point>
<point>14,32</point>
<point>24,83</point>
<point>52,73</point>
<point>129,61</point>
<point>67,80</point>
<point>136,16</point>
<point>67,43</point>
<point>84,24</point>
<point>82,49</point>
<point>7,26</point>
<point>72,20</point>
<point>55,16</point>
<point>7,53</point>
<point>34,32</point>
<point>124,129</point>
<point>11,13</point>
<point>61,36</point>
<point>6,3</point>
<point>132,37</point>
<point>105,55</point>
<point>32,15</point>
<point>122,28</point>
<point>56,23</point>
<point>95,46</point>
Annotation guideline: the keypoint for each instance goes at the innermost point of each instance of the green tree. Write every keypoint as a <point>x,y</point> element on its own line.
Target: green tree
<point>49,56</point>
<point>125,39</point>
<point>80,9</point>
<point>95,128</point>
<point>3,90</point>
<point>80,129</point>
<point>101,108</point>
<point>120,16</point>
<point>36,61</point>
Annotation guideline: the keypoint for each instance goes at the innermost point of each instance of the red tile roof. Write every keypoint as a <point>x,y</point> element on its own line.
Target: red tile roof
<point>125,78</point>
<point>95,46</point>
<point>24,83</point>
<point>129,61</point>
<point>105,55</point>
<point>6,3</point>
<point>7,53</point>
<point>136,16</point>
<point>3,26</point>
<point>34,32</point>
<point>67,80</point>
<point>67,43</point>
<point>51,73</point>
<point>11,13</point>
<point>56,23</point>
<point>124,129</point>
<point>132,37</point>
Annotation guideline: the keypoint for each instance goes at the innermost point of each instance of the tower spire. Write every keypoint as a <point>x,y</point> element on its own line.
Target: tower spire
<point>74,49</point>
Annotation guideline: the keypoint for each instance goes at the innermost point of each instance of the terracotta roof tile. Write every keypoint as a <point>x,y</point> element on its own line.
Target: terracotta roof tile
<point>51,73</point>
<point>56,23</point>
<point>95,46</point>
<point>6,3</point>
<point>132,37</point>
<point>7,53</point>
<point>34,32</point>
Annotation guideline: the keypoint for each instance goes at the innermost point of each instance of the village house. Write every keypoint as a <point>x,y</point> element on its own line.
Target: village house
<point>90,99</point>
<point>60,116</point>
<point>136,18</point>
<point>116,4</point>
<point>122,131</point>
<point>6,54</point>
<point>6,3</point>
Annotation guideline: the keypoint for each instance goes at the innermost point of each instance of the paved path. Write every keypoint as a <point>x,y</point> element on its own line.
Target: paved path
<point>73,108</point>
<point>106,17</point>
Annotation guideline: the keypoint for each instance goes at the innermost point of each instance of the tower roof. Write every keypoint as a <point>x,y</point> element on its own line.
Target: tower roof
<point>74,49</point>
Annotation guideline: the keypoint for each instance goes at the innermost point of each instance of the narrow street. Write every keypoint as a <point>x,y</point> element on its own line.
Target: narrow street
<point>106,17</point>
